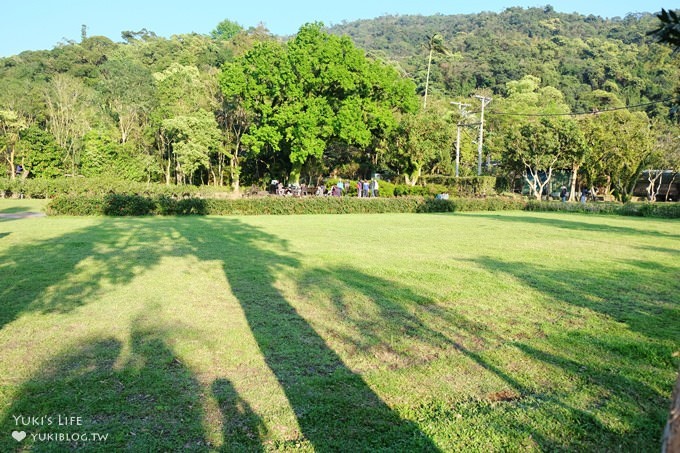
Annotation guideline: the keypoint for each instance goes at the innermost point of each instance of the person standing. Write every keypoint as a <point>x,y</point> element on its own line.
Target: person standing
<point>359,188</point>
<point>563,194</point>
<point>375,188</point>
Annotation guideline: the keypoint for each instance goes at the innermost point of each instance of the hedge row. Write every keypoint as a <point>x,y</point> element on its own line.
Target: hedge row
<point>49,188</point>
<point>125,205</point>
<point>660,210</point>
<point>468,186</point>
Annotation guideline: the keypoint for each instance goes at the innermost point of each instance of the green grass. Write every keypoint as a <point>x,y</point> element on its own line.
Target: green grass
<point>15,205</point>
<point>392,332</point>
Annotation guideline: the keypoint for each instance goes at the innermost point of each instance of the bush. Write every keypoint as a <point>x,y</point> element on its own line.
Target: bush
<point>661,210</point>
<point>126,205</point>
<point>49,188</point>
<point>403,190</point>
<point>76,205</point>
<point>135,205</point>
<point>386,189</point>
<point>466,186</point>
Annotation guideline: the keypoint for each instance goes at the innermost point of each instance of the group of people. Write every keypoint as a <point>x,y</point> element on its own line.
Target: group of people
<point>289,190</point>
<point>564,194</point>
<point>367,189</point>
<point>364,188</point>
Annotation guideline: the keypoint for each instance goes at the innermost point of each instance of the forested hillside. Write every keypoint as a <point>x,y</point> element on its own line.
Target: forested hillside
<point>574,53</point>
<point>243,106</point>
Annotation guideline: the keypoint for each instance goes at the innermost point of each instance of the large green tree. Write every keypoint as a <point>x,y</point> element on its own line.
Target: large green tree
<point>127,89</point>
<point>69,110</point>
<point>620,145</point>
<point>40,153</point>
<point>226,30</point>
<point>315,90</point>
<point>535,135</point>
<point>425,139</point>
<point>194,138</point>
<point>11,125</point>
<point>182,98</point>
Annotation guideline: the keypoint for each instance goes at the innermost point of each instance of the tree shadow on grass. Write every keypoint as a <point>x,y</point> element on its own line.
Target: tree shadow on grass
<point>643,294</point>
<point>146,400</point>
<point>576,225</point>
<point>47,277</point>
<point>624,398</point>
<point>335,409</point>
<point>15,209</point>
<point>242,428</point>
<point>427,330</point>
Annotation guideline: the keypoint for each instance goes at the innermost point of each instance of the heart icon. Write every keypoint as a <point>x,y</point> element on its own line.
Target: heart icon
<point>19,435</point>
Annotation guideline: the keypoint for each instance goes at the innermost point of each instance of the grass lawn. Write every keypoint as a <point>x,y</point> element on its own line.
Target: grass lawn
<point>16,205</point>
<point>478,331</point>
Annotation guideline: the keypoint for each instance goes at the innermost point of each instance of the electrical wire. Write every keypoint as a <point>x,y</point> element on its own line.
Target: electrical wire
<point>594,112</point>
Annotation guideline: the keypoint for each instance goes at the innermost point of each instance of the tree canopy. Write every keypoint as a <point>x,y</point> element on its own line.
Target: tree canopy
<point>570,92</point>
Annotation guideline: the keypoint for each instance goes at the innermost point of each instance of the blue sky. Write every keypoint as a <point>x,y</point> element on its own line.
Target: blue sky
<point>42,24</point>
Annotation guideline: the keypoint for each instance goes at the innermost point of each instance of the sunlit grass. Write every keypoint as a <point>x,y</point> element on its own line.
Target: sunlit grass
<point>356,332</point>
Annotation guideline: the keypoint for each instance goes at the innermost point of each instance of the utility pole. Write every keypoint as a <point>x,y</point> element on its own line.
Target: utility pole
<point>461,108</point>
<point>485,102</point>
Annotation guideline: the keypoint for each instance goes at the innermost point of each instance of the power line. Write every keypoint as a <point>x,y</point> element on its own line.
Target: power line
<point>485,101</point>
<point>595,112</point>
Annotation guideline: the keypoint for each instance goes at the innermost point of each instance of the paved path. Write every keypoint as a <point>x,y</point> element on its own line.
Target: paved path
<point>20,215</point>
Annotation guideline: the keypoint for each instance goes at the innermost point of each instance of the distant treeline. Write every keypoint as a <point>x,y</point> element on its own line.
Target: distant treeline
<point>241,107</point>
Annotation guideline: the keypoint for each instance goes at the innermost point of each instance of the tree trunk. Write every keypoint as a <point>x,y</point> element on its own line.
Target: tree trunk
<point>671,435</point>
<point>652,189</point>
<point>167,173</point>
<point>670,185</point>
<point>220,170</point>
<point>10,159</point>
<point>296,170</point>
<point>235,175</point>
<point>532,186</point>
<point>235,171</point>
<point>427,79</point>
<point>572,186</point>
<point>412,179</point>
<point>535,185</point>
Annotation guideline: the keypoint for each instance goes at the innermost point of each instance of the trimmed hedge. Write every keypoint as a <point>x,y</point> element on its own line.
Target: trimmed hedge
<point>125,205</point>
<point>49,188</point>
<point>137,205</point>
<point>660,210</point>
<point>467,186</point>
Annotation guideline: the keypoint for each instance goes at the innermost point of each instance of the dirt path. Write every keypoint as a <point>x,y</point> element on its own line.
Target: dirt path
<point>20,215</point>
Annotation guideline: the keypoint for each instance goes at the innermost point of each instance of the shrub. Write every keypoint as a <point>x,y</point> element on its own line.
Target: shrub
<point>403,190</point>
<point>466,186</point>
<point>49,188</point>
<point>135,205</point>
<point>386,189</point>
<point>662,210</point>
<point>126,205</point>
<point>76,205</point>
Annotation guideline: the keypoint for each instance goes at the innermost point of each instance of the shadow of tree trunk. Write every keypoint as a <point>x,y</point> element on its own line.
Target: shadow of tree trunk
<point>334,406</point>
